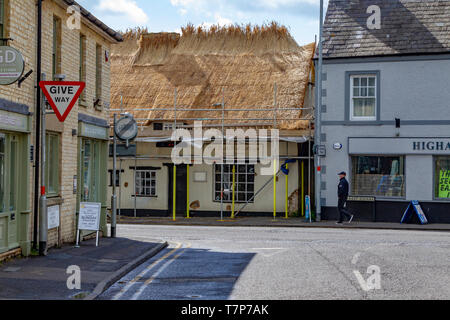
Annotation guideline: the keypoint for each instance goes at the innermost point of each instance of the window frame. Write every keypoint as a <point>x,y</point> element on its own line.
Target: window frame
<point>352,177</point>
<point>237,173</point>
<point>352,97</point>
<point>145,187</point>
<point>349,75</point>
<point>436,179</point>
<point>54,154</point>
<point>56,46</point>
<point>98,72</point>
<point>2,19</point>
<point>83,66</point>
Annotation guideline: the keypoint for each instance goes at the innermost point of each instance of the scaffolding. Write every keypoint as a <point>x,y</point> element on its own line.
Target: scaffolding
<point>222,121</point>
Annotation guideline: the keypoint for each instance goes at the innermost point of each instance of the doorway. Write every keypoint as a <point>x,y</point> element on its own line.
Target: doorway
<point>181,188</point>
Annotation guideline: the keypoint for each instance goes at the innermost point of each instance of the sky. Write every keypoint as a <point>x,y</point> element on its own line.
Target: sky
<point>300,16</point>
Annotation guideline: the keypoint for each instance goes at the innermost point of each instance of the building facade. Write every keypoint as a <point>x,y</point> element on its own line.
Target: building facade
<point>76,150</point>
<point>386,112</point>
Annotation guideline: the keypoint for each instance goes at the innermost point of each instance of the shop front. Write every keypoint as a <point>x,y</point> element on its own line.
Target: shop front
<point>93,156</point>
<point>14,178</point>
<point>398,170</point>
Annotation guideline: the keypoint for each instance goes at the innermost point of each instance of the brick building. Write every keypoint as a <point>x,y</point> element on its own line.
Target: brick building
<point>76,149</point>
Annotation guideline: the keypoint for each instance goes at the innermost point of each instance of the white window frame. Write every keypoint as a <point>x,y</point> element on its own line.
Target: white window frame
<point>169,126</point>
<point>215,182</point>
<point>143,187</point>
<point>352,116</point>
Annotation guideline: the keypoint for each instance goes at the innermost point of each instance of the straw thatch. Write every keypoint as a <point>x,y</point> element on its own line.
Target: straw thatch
<point>239,64</point>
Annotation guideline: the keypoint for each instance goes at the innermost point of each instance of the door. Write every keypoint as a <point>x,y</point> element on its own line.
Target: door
<point>181,190</point>
<point>9,178</point>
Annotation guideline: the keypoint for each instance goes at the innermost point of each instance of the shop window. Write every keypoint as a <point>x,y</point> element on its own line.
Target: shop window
<point>145,183</point>
<point>442,167</point>
<point>244,179</point>
<point>52,164</point>
<point>363,97</point>
<point>118,173</point>
<point>2,171</point>
<point>90,170</point>
<point>56,47</point>
<point>378,176</point>
<point>82,75</point>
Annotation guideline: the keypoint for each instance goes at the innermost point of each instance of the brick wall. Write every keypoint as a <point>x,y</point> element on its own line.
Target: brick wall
<point>21,25</point>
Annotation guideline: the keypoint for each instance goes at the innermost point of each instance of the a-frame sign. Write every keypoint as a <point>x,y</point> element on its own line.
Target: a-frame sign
<point>62,96</point>
<point>414,206</point>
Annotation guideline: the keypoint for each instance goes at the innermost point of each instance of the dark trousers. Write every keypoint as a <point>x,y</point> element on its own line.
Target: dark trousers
<point>342,211</point>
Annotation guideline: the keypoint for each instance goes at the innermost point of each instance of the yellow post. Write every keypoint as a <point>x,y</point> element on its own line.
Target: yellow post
<point>275,189</point>
<point>188,194</point>
<point>174,192</point>
<point>303,189</point>
<point>287,194</point>
<point>234,192</point>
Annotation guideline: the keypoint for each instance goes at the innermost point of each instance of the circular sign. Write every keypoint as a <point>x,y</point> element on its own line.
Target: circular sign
<point>337,146</point>
<point>12,65</point>
<point>126,128</point>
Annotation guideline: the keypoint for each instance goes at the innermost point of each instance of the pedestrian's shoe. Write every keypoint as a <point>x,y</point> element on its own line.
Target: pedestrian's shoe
<point>339,222</point>
<point>351,219</point>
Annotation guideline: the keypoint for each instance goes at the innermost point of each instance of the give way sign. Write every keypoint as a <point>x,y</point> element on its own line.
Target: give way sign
<point>62,95</point>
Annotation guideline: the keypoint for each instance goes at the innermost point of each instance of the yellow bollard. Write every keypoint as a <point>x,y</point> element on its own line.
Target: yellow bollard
<point>303,189</point>
<point>287,194</point>
<point>188,209</point>
<point>174,192</point>
<point>275,190</point>
<point>234,192</point>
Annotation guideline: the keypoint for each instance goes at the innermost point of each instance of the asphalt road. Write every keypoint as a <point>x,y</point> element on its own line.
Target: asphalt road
<point>205,263</point>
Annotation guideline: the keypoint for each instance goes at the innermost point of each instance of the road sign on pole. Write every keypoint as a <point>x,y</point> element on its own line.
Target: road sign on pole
<point>62,96</point>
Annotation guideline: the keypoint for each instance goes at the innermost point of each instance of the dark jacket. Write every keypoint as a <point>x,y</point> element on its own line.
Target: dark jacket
<point>343,189</point>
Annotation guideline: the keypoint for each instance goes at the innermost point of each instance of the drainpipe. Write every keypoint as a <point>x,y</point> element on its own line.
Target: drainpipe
<point>37,115</point>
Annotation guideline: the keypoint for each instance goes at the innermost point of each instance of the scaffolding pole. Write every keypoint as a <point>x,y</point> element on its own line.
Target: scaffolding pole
<point>188,192</point>
<point>174,209</point>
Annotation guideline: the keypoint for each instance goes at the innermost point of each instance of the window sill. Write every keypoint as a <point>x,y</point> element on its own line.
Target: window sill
<point>133,196</point>
<point>83,103</point>
<point>54,200</point>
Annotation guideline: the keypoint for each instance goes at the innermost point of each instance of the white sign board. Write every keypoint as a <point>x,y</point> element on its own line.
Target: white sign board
<point>53,217</point>
<point>89,218</point>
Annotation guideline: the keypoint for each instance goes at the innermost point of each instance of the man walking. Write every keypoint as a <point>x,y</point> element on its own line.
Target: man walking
<point>343,190</point>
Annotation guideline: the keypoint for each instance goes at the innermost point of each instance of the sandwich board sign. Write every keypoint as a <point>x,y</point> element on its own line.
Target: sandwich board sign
<point>414,206</point>
<point>89,219</point>
<point>62,96</point>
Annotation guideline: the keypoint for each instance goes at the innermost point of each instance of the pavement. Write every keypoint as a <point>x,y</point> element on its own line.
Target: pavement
<point>45,278</point>
<point>279,222</point>
<point>265,263</point>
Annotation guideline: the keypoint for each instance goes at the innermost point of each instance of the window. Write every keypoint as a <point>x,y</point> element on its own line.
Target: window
<point>146,183</point>
<point>56,48</point>
<point>168,126</point>
<point>2,171</point>
<point>118,173</point>
<point>52,164</point>
<point>82,75</point>
<point>2,19</point>
<point>363,97</point>
<point>442,168</point>
<point>90,173</point>
<point>378,176</point>
<point>245,182</point>
<point>98,73</point>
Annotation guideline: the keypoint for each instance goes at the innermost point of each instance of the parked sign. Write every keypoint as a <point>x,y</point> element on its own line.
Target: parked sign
<point>414,206</point>
<point>62,96</point>
<point>89,218</point>
<point>12,65</point>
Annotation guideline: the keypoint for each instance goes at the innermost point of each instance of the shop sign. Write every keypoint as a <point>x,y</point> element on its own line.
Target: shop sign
<point>444,184</point>
<point>425,146</point>
<point>53,217</point>
<point>12,65</point>
<point>11,121</point>
<point>95,132</point>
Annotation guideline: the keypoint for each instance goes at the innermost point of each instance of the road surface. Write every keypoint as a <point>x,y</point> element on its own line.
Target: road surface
<point>204,263</point>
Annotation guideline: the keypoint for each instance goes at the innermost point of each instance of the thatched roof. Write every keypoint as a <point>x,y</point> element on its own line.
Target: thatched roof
<point>237,64</point>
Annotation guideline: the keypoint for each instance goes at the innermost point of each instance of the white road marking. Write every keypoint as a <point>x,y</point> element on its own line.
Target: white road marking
<point>144,272</point>
<point>160,270</point>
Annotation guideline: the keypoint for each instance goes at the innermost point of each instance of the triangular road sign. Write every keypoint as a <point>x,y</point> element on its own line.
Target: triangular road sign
<point>62,95</point>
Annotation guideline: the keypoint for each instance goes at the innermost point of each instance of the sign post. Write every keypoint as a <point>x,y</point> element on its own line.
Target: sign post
<point>62,96</point>
<point>89,219</point>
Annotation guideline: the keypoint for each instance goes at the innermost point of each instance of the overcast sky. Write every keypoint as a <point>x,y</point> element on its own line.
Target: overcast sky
<point>300,16</point>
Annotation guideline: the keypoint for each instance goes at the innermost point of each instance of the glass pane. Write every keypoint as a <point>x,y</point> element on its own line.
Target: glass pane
<point>356,82</point>
<point>2,172</point>
<point>372,82</point>
<point>443,178</point>
<point>87,168</point>
<point>364,107</point>
<point>356,92</point>
<point>13,177</point>
<point>363,92</point>
<point>371,92</point>
<point>363,82</point>
<point>378,176</point>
